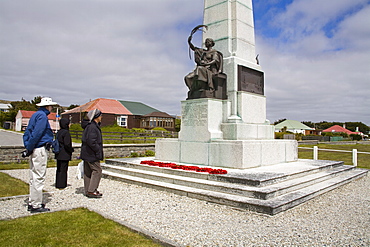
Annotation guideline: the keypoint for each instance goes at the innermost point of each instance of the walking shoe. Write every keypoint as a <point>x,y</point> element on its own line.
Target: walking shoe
<point>39,210</point>
<point>30,207</point>
<point>95,194</point>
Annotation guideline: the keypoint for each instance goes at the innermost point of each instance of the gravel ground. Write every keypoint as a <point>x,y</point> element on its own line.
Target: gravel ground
<point>338,218</point>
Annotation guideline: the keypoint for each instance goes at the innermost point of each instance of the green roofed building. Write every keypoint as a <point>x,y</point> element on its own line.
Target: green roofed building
<point>127,114</point>
<point>294,126</point>
<point>138,108</point>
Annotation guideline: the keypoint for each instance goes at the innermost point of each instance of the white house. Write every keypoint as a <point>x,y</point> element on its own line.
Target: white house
<point>5,107</point>
<point>294,127</point>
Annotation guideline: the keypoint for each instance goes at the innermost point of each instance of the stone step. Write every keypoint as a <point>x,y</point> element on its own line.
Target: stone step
<point>259,177</point>
<point>271,206</point>
<point>265,192</point>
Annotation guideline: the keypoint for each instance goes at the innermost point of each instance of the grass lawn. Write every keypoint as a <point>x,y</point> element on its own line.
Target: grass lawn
<point>363,160</point>
<point>26,165</point>
<point>77,227</point>
<point>10,186</point>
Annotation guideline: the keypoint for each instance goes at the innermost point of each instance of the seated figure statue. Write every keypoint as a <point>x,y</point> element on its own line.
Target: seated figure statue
<point>204,80</point>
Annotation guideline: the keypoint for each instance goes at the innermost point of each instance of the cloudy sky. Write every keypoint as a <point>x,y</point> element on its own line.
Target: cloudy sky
<point>315,53</point>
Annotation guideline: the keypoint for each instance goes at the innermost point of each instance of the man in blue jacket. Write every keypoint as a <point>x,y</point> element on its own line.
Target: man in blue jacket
<point>37,137</point>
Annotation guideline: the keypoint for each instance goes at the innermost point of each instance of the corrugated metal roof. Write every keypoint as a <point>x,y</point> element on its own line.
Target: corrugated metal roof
<point>292,124</point>
<point>28,114</point>
<point>110,106</point>
<point>340,129</point>
<point>138,108</point>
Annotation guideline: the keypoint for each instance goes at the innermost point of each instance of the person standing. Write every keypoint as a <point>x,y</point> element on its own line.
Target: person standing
<point>64,155</point>
<point>92,153</point>
<point>37,139</point>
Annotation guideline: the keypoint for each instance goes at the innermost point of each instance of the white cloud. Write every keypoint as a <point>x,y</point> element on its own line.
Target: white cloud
<point>76,50</point>
<point>313,76</point>
<point>80,50</point>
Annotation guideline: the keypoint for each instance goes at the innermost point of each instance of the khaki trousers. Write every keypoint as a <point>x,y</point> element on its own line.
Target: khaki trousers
<point>38,161</point>
<point>92,176</point>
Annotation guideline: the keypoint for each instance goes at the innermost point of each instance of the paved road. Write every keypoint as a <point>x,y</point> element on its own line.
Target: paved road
<point>9,138</point>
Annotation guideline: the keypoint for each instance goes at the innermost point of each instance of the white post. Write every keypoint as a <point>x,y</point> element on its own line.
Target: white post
<point>354,157</point>
<point>315,152</point>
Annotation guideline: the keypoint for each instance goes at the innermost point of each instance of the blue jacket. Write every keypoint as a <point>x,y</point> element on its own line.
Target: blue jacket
<point>38,131</point>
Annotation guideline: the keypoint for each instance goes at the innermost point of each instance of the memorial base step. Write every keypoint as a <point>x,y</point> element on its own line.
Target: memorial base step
<point>268,189</point>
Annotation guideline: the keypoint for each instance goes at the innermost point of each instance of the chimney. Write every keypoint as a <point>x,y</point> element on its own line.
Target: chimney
<point>344,125</point>
<point>357,129</point>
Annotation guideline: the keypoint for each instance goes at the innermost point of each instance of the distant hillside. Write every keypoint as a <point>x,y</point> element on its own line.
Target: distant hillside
<point>5,101</point>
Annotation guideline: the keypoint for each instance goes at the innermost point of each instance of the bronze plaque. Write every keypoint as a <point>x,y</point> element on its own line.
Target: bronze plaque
<point>250,80</point>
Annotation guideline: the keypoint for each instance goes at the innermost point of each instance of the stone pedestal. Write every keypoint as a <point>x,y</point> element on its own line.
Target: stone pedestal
<point>205,139</point>
<point>201,120</point>
<point>240,154</point>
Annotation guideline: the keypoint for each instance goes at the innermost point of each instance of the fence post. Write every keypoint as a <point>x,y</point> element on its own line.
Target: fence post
<point>315,152</point>
<point>354,157</point>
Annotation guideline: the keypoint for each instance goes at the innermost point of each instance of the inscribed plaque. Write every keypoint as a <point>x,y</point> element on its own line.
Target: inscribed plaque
<point>250,80</point>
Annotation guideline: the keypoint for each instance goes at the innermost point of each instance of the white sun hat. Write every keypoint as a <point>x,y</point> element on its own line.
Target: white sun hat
<point>46,101</point>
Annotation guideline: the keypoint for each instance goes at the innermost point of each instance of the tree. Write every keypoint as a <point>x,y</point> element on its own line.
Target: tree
<point>279,121</point>
<point>177,124</point>
<point>36,100</point>
<point>309,124</point>
<point>352,126</point>
<point>72,106</point>
<point>19,105</point>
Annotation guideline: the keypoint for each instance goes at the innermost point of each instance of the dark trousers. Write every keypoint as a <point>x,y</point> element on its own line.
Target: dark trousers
<point>61,176</point>
<point>92,176</point>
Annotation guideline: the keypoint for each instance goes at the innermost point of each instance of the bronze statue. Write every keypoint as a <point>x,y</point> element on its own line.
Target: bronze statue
<point>207,76</point>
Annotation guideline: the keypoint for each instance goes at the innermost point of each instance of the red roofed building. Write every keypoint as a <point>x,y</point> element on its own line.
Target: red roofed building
<point>23,117</point>
<point>340,129</point>
<point>126,114</point>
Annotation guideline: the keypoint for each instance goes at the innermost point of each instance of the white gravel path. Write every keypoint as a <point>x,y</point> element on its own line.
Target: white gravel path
<point>338,218</point>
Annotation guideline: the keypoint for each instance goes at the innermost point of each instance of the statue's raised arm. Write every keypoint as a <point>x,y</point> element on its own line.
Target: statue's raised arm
<point>205,79</point>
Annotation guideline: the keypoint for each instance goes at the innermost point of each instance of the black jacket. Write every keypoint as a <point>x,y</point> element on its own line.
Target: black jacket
<point>65,141</point>
<point>92,142</point>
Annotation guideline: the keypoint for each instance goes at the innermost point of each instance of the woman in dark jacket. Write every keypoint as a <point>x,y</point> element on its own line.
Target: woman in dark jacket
<point>64,155</point>
<point>92,153</point>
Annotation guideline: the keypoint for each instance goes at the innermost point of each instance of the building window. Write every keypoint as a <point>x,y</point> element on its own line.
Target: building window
<point>152,122</point>
<point>122,121</point>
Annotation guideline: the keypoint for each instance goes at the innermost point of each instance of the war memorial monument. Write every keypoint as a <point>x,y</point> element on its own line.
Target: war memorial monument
<point>224,126</point>
<point>225,123</point>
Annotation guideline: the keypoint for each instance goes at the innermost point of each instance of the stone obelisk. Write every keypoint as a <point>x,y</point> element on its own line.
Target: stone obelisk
<point>232,132</point>
<point>230,23</point>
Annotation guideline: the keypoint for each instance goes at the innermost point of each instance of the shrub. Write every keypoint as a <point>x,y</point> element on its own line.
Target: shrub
<point>134,155</point>
<point>76,127</point>
<point>160,129</point>
<point>149,153</point>
<point>356,137</point>
<point>280,135</point>
<point>298,136</point>
<point>139,130</point>
<point>114,128</point>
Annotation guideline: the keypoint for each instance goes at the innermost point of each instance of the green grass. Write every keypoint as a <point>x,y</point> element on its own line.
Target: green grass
<point>77,227</point>
<point>25,164</point>
<point>10,186</point>
<point>363,160</point>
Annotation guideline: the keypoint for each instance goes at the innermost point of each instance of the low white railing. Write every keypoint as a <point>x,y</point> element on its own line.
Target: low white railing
<point>316,153</point>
